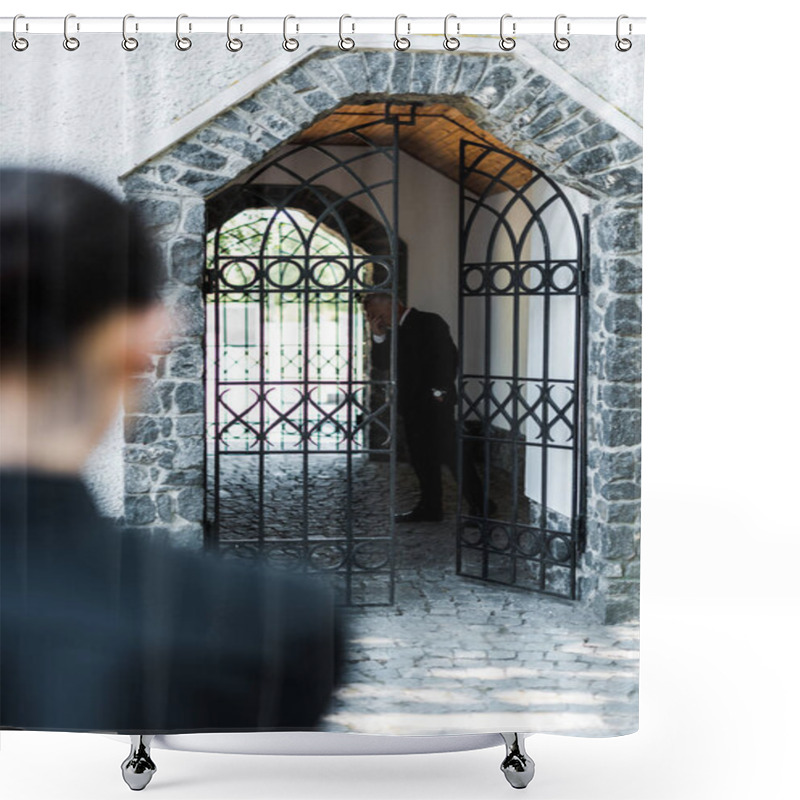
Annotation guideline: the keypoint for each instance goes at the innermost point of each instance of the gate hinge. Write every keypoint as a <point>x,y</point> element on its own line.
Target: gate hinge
<point>209,279</point>
<point>580,534</point>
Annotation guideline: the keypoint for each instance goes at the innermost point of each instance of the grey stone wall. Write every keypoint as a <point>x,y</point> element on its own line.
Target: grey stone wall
<point>164,455</point>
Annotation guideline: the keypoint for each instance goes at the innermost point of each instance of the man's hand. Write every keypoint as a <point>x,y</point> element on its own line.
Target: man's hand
<point>376,324</point>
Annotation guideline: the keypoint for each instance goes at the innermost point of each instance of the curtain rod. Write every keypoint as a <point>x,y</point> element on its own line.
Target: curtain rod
<point>311,26</point>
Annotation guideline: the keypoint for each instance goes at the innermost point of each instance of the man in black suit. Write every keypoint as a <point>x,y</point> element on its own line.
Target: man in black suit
<point>103,629</point>
<point>427,364</point>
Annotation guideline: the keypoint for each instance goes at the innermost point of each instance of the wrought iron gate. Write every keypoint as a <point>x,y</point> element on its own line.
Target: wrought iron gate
<point>293,415</point>
<point>522,282</point>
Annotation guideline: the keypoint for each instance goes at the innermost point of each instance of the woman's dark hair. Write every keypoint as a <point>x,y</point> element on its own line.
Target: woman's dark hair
<point>70,253</point>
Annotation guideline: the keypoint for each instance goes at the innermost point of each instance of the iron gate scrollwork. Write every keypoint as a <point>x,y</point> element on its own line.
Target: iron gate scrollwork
<point>293,414</point>
<point>522,279</point>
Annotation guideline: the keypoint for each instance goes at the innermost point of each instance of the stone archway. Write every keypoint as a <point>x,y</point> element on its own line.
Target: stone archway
<point>164,452</point>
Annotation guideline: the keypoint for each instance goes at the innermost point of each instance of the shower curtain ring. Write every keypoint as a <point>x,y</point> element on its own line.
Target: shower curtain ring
<point>451,42</point>
<point>233,44</point>
<point>345,42</point>
<point>289,44</point>
<point>128,42</point>
<point>401,42</point>
<point>183,43</point>
<point>70,42</point>
<point>623,45</point>
<point>561,43</point>
<point>507,42</point>
<point>19,43</point>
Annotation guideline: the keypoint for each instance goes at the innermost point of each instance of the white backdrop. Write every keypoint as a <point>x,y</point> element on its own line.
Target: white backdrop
<point>720,602</point>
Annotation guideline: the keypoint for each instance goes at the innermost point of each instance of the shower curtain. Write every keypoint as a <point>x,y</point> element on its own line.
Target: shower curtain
<point>392,434</point>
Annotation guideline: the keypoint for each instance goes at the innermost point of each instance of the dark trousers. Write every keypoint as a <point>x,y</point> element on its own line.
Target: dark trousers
<point>431,438</point>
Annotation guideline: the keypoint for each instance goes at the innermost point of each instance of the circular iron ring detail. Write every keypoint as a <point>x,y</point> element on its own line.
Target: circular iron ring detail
<point>499,538</point>
<point>553,273</point>
<point>532,269</point>
<point>327,556</point>
<point>241,283</point>
<point>497,271</point>
<point>371,556</point>
<point>361,277</point>
<point>559,548</point>
<point>318,272</point>
<point>469,285</point>
<point>279,264</point>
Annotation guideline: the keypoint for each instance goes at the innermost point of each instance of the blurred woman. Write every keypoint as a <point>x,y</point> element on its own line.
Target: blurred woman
<point>102,628</point>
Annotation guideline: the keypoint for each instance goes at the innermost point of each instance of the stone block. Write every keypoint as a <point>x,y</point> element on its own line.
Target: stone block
<point>167,172</point>
<point>627,150</point>
<point>620,512</point>
<point>624,276</point>
<point>185,477</point>
<point>400,77</point>
<point>191,504</point>
<point>190,425</point>
<point>276,126</point>
<point>623,610</point>
<point>139,510</point>
<point>166,507</point>
<point>137,479</point>
<point>157,213</point>
<point>189,310</point>
<point>622,490</point>
<point>231,121</point>
<point>549,117</point>
<point>166,452</point>
<point>165,389</point>
<point>196,155</point>
<point>594,160</point>
<point>194,218</point>
<point>135,454</point>
<point>354,71</point>
<point>520,99</point>
<point>186,361</point>
<point>300,79</point>
<point>601,132</point>
<point>621,428</point>
<point>320,101</point>
<point>141,429</point>
<point>203,183</point>
<point>424,71</point>
<point>620,232</point>
<point>621,395</point>
<point>623,359</point>
<point>187,260</point>
<point>244,147</point>
<point>470,73</point>
<point>323,73</point>
<point>623,182</point>
<point>191,453</point>
<point>188,397</point>
<point>618,541</point>
<point>495,86</point>
<point>624,317</point>
<point>379,66</point>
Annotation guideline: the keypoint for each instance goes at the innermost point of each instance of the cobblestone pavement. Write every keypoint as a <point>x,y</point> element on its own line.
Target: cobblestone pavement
<point>453,654</point>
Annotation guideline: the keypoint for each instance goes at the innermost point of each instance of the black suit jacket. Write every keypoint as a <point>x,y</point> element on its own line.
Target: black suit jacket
<point>427,358</point>
<point>103,629</point>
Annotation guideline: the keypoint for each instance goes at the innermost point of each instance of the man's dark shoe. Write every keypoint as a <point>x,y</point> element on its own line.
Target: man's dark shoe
<point>419,515</point>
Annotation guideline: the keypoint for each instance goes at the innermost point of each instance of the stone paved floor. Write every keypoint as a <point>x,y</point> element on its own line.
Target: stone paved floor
<point>453,654</point>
